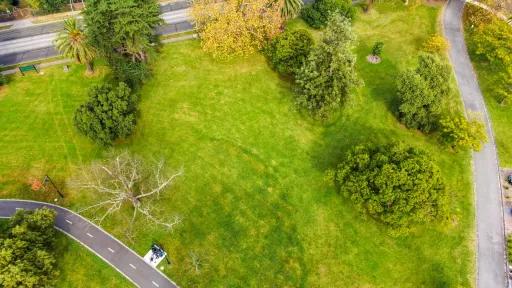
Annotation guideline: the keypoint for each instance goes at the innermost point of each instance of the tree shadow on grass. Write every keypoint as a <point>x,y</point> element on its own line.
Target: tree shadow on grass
<point>379,79</point>
<point>338,138</point>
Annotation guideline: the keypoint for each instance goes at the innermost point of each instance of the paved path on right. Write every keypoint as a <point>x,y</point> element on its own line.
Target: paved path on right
<point>491,263</point>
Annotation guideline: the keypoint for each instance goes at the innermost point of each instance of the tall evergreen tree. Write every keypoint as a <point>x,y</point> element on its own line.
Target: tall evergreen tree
<point>122,27</point>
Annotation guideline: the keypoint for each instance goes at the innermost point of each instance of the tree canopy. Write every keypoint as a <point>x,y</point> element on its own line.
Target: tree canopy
<point>236,28</point>
<point>421,93</point>
<point>109,114</point>
<point>72,42</point>
<point>328,74</point>
<point>461,133</point>
<point>318,13</point>
<point>394,184</point>
<point>26,252</point>
<point>122,27</point>
<point>288,51</point>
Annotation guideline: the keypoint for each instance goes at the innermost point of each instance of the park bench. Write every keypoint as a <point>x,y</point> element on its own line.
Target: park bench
<point>27,68</point>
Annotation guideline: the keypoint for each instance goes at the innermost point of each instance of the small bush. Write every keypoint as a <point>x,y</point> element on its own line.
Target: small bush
<point>132,73</point>
<point>461,133</point>
<point>3,79</point>
<point>318,13</point>
<point>288,51</point>
<point>377,48</point>
<point>435,44</point>
<point>509,247</point>
<point>109,114</point>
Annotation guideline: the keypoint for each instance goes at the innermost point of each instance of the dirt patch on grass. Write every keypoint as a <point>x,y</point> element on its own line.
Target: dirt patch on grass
<point>374,59</point>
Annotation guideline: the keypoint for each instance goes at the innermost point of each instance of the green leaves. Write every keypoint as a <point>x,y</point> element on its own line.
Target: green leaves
<point>394,184</point>
<point>109,114</point>
<point>421,93</point>
<point>288,51</point>
<point>460,133</point>
<point>26,256</point>
<point>317,14</point>
<point>328,74</point>
<point>72,42</point>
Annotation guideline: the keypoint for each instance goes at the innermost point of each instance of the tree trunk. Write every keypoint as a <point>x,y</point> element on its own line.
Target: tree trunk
<point>89,68</point>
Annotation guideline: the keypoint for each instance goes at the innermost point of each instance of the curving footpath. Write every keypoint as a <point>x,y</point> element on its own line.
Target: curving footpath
<point>491,261</point>
<point>111,250</point>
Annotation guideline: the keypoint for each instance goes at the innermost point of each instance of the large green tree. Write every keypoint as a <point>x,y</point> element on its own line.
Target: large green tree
<point>422,91</point>
<point>26,251</point>
<point>72,43</point>
<point>122,27</point>
<point>328,74</point>
<point>395,184</point>
<point>109,114</point>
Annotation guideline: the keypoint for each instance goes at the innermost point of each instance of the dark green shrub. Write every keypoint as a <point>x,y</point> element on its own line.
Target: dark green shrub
<point>288,51</point>
<point>109,114</point>
<point>377,48</point>
<point>133,73</point>
<point>394,184</point>
<point>3,79</point>
<point>509,247</point>
<point>317,14</point>
<point>52,5</point>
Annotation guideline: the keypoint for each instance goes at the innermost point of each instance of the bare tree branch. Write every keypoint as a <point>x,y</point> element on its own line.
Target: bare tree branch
<point>125,180</point>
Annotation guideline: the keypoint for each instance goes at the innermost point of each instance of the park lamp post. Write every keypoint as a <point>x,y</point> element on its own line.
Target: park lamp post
<point>47,180</point>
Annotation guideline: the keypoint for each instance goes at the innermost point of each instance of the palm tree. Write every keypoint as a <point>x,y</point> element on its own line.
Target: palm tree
<point>72,43</point>
<point>291,8</point>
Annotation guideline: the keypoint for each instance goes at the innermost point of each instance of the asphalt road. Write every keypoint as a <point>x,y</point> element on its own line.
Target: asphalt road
<point>36,42</point>
<point>491,261</point>
<point>111,250</point>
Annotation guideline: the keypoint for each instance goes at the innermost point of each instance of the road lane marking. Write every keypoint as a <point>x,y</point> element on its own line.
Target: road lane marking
<point>89,235</point>
<point>18,208</point>
<point>69,221</point>
<point>133,266</point>
<point>155,284</point>
<point>110,249</point>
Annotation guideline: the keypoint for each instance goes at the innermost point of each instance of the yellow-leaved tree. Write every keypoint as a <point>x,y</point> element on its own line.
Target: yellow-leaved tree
<point>236,27</point>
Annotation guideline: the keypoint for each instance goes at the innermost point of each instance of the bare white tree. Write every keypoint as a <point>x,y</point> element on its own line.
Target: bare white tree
<point>125,179</point>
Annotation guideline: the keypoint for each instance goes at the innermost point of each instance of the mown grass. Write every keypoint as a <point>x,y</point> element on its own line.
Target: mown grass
<point>256,208</point>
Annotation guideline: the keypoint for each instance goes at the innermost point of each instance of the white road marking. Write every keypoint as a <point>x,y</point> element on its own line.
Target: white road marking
<point>155,284</point>
<point>89,235</point>
<point>110,249</point>
<point>19,208</point>
<point>133,266</point>
<point>69,221</point>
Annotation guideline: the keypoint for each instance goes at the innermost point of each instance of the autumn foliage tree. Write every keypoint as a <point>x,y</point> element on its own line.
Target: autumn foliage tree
<point>236,28</point>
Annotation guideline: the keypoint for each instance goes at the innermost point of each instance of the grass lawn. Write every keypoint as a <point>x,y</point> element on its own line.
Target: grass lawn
<point>500,114</point>
<point>256,209</point>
